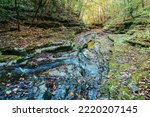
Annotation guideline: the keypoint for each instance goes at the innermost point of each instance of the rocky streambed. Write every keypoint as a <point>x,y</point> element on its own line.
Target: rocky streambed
<point>57,71</point>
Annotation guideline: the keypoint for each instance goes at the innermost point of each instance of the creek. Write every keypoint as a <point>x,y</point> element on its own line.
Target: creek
<point>58,71</point>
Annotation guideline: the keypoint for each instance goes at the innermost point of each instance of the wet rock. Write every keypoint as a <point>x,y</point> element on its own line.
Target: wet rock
<point>92,94</point>
<point>8,92</point>
<point>134,88</point>
<point>39,95</point>
<point>15,90</point>
<point>59,93</point>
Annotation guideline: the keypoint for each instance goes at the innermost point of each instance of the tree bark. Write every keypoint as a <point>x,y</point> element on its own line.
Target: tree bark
<point>142,2</point>
<point>17,13</point>
<point>37,10</point>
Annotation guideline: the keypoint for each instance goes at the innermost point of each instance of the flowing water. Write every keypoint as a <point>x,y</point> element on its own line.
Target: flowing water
<point>58,71</point>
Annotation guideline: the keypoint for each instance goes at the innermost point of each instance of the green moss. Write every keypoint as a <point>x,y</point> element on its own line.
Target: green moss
<point>127,65</point>
<point>118,38</point>
<point>4,58</point>
<point>143,21</point>
<point>124,93</point>
<point>139,37</point>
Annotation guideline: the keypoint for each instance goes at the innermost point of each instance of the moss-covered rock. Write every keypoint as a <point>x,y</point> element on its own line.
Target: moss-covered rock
<point>139,37</point>
<point>4,58</point>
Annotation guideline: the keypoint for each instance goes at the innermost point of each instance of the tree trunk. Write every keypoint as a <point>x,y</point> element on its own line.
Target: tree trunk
<point>17,12</point>
<point>37,10</point>
<point>142,2</point>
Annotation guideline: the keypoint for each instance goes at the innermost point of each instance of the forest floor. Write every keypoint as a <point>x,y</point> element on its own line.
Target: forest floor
<point>30,37</point>
<point>129,71</point>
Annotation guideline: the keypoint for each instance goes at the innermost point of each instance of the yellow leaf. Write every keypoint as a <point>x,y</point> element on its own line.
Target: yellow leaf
<point>90,44</point>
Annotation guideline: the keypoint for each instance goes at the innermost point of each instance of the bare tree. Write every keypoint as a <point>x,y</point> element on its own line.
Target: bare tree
<point>17,13</point>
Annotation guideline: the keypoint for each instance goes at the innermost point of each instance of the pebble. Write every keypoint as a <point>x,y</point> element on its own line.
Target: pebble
<point>14,90</point>
<point>8,92</point>
<point>92,95</point>
<point>133,88</point>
